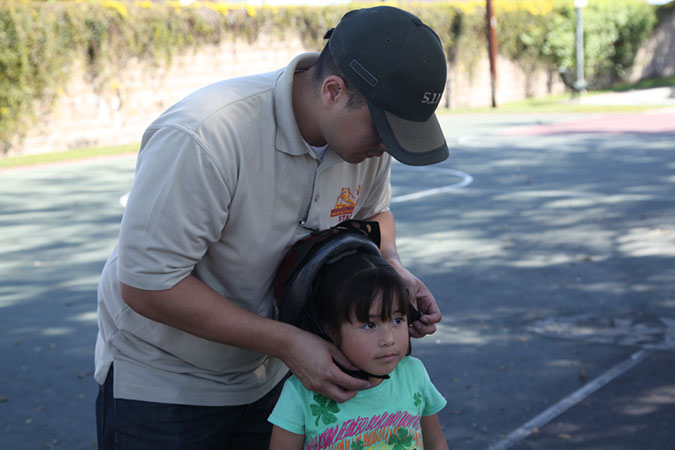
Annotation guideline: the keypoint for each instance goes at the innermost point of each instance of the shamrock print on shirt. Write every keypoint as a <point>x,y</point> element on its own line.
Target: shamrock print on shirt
<point>325,410</point>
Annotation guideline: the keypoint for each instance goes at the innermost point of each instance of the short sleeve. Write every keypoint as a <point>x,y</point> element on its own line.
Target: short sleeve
<point>289,411</point>
<point>433,400</point>
<point>177,208</point>
<point>379,194</point>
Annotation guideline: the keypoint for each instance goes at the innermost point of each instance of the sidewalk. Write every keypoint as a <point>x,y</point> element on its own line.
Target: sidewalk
<point>662,96</point>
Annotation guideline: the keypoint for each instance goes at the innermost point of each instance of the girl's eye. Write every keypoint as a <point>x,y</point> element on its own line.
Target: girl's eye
<point>368,326</point>
<point>399,320</point>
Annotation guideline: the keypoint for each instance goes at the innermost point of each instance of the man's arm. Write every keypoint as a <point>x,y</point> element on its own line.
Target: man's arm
<point>195,308</point>
<point>426,303</point>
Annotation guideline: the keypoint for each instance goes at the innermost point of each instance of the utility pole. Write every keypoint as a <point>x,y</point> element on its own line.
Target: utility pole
<point>580,85</point>
<point>492,50</point>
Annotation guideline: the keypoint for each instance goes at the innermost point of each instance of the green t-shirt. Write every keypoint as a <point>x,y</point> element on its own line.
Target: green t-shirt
<point>385,414</point>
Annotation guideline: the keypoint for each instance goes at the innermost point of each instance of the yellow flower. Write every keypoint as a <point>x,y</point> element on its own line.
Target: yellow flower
<point>250,10</point>
<point>469,6</point>
<point>117,6</point>
<point>534,7</point>
<point>220,7</point>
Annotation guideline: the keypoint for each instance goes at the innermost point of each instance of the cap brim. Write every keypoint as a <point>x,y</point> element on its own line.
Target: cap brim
<point>412,143</point>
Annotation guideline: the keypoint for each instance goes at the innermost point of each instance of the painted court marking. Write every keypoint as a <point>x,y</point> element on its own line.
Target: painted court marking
<point>657,333</point>
<point>566,403</point>
<point>124,199</point>
<point>465,180</point>
<point>658,123</point>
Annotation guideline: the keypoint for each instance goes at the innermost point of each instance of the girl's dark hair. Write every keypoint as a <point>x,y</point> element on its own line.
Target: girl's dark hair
<point>348,287</point>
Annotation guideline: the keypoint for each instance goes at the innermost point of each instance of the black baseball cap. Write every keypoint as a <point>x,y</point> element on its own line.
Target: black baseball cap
<point>397,63</point>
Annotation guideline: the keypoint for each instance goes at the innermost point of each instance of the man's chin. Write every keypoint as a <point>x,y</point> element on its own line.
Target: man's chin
<point>359,159</point>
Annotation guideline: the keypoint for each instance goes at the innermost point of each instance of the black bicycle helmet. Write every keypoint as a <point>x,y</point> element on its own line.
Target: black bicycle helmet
<point>297,276</point>
<point>296,282</point>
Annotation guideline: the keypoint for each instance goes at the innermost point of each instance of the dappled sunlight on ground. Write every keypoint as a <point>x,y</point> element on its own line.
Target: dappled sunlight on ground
<point>59,224</point>
<point>551,266</point>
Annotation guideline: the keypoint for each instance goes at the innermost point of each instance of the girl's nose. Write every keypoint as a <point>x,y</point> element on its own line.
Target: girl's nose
<point>387,337</point>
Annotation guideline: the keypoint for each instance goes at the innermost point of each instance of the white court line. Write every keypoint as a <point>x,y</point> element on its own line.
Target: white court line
<point>124,199</point>
<point>569,401</point>
<point>466,180</point>
<point>469,140</point>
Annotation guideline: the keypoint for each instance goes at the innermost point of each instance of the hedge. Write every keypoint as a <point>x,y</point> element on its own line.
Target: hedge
<point>40,39</point>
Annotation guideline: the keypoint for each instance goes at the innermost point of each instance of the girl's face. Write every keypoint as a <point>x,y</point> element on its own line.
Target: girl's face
<point>376,346</point>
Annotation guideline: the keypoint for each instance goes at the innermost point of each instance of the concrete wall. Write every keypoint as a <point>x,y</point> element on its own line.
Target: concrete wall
<point>133,98</point>
<point>473,88</point>
<point>119,112</point>
<point>657,57</point>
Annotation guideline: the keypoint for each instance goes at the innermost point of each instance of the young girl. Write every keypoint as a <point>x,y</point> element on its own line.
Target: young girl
<point>361,304</point>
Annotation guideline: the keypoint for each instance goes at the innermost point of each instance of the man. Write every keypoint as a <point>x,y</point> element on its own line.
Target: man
<point>188,353</point>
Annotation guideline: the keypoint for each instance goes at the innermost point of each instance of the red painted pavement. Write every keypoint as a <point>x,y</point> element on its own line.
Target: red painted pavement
<point>661,123</point>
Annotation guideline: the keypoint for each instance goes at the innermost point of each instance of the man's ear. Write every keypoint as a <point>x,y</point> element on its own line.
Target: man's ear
<point>333,90</point>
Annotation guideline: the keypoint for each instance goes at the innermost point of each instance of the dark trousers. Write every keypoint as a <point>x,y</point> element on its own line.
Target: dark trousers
<point>136,425</point>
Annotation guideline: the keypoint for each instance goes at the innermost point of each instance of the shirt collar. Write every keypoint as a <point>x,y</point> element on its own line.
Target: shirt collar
<point>288,137</point>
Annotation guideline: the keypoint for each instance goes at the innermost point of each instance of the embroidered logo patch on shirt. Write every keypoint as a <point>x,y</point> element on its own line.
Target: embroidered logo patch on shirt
<point>345,203</point>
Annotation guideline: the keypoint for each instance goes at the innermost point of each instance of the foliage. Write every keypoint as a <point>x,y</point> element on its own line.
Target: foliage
<point>41,39</point>
<point>613,33</point>
<point>647,83</point>
<point>36,49</point>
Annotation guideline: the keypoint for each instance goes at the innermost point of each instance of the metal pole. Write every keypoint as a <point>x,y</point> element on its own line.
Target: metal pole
<point>492,49</point>
<point>580,83</point>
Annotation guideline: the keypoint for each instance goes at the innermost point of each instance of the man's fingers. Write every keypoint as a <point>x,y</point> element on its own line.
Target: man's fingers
<point>419,329</point>
<point>431,319</point>
<point>342,360</point>
<point>351,383</point>
<point>346,381</point>
<point>338,394</point>
<point>329,380</point>
<point>342,387</point>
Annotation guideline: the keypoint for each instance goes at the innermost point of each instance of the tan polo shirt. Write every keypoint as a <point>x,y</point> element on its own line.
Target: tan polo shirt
<point>224,186</point>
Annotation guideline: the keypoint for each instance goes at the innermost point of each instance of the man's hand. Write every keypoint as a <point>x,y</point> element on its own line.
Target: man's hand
<point>312,360</point>
<point>423,300</point>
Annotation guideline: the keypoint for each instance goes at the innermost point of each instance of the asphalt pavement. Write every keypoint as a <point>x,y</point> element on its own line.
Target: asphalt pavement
<point>548,240</point>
